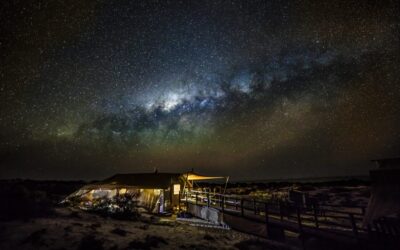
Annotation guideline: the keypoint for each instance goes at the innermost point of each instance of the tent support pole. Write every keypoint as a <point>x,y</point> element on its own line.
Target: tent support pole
<point>226,183</point>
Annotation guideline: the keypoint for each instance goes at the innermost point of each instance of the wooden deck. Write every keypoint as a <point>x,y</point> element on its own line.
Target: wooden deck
<point>271,219</point>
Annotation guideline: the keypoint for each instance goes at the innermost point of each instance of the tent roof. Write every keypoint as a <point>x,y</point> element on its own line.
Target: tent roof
<point>139,180</point>
<point>149,180</point>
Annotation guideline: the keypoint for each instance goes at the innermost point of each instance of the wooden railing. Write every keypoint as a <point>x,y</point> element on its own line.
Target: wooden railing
<point>347,220</point>
<point>386,232</point>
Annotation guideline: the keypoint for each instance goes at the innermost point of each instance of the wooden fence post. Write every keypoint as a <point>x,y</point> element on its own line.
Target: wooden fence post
<point>196,197</point>
<point>208,199</point>
<point>315,216</point>
<point>353,225</point>
<point>223,203</point>
<point>266,212</point>
<point>299,219</point>
<point>280,210</point>
<point>179,201</point>
<point>266,219</point>
<point>241,207</point>
<point>302,236</point>
<point>187,202</point>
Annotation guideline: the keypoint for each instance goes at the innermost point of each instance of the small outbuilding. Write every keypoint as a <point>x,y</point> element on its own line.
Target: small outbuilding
<point>385,191</point>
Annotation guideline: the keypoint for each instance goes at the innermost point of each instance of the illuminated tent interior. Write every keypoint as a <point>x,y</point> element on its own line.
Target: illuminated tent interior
<point>157,192</point>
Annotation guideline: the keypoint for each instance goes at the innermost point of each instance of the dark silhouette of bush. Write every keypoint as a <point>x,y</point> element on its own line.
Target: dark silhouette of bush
<point>119,231</point>
<point>149,243</point>
<point>23,203</point>
<point>27,199</point>
<point>208,237</point>
<point>36,238</point>
<point>259,244</point>
<point>89,242</point>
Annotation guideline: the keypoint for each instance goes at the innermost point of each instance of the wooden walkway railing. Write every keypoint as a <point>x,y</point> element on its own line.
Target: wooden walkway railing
<point>346,221</point>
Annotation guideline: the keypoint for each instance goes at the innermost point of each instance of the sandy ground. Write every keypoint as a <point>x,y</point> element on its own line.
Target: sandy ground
<point>75,229</point>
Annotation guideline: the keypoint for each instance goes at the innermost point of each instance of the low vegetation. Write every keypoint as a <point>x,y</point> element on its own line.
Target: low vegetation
<point>32,199</point>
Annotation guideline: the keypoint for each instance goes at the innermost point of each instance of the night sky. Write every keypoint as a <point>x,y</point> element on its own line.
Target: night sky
<point>260,90</point>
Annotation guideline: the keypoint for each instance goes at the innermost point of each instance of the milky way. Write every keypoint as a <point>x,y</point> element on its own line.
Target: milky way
<point>260,90</point>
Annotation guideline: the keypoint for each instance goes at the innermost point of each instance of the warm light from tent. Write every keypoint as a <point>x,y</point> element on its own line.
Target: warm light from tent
<point>177,189</point>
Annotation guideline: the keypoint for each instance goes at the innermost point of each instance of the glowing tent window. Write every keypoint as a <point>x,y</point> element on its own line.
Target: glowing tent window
<point>177,188</point>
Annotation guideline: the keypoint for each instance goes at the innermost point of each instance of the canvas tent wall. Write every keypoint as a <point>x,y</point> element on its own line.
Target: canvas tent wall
<point>385,191</point>
<point>154,189</point>
<point>158,192</point>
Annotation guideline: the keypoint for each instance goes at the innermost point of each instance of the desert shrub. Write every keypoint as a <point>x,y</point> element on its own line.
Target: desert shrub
<point>89,242</point>
<point>208,237</point>
<point>54,190</point>
<point>75,214</point>
<point>122,207</point>
<point>148,243</point>
<point>144,227</point>
<point>198,247</point>
<point>23,203</point>
<point>249,244</point>
<point>115,247</point>
<point>94,226</point>
<point>259,244</point>
<point>36,238</point>
<point>119,231</point>
<point>67,230</point>
<point>164,224</point>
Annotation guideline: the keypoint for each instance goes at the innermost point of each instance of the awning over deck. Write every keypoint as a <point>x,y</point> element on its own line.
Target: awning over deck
<point>191,176</point>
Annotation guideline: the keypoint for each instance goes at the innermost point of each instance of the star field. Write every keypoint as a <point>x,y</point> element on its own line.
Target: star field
<point>254,90</point>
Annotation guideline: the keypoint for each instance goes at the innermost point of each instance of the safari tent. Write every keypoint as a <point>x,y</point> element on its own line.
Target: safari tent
<point>158,192</point>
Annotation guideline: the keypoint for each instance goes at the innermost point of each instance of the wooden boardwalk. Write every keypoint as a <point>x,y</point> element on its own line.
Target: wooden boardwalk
<point>271,219</point>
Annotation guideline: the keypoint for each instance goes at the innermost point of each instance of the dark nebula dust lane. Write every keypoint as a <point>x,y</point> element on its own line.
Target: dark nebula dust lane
<point>254,90</point>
